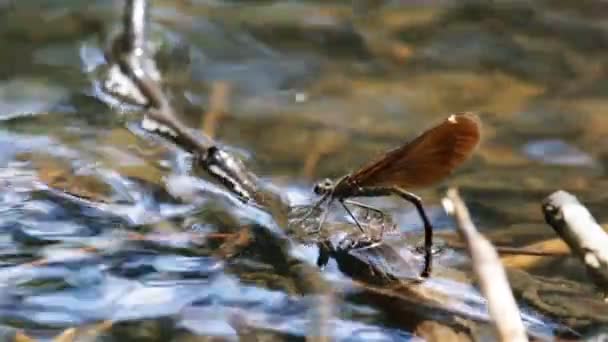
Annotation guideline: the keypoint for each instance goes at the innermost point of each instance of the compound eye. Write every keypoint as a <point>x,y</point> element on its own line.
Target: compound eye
<point>317,189</point>
<point>322,187</point>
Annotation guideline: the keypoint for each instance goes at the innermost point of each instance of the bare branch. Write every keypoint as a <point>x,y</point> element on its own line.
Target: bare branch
<point>491,275</point>
<point>218,107</point>
<point>134,22</point>
<point>130,53</point>
<point>577,227</point>
<point>514,250</point>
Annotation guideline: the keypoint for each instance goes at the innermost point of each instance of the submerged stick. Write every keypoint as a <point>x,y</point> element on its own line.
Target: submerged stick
<point>130,53</point>
<point>577,227</point>
<point>491,275</point>
<point>514,250</point>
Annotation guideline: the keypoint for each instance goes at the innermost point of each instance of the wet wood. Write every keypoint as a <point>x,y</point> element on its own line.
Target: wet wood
<point>130,53</point>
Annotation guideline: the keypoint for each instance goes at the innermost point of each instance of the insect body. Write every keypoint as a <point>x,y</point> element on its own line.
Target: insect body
<point>426,160</point>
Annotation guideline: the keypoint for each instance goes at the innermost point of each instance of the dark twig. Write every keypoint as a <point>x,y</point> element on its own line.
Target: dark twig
<point>577,227</point>
<point>130,53</point>
<point>491,275</point>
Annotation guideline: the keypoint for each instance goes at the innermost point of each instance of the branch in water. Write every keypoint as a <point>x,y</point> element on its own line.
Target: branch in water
<point>490,273</point>
<point>130,53</point>
<point>513,250</point>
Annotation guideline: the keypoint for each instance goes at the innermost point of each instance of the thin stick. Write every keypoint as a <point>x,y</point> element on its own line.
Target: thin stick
<point>581,232</point>
<point>134,21</point>
<point>129,52</point>
<point>218,107</point>
<point>513,250</point>
<point>491,275</point>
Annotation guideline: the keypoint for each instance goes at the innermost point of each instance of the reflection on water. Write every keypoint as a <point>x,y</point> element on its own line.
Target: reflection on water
<point>98,223</point>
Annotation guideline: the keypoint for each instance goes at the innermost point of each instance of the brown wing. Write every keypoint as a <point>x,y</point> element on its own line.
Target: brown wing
<point>428,158</point>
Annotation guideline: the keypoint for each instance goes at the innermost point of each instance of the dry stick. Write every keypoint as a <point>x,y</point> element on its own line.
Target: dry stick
<point>490,273</point>
<point>224,167</point>
<point>218,104</point>
<point>129,51</point>
<point>577,227</point>
<point>326,143</point>
<point>132,57</point>
<point>554,248</point>
<point>512,250</point>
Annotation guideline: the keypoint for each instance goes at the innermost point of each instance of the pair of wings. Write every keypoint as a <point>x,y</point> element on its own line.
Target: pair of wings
<point>427,159</point>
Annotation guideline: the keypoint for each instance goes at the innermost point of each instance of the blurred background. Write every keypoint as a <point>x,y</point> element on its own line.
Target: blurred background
<point>300,90</point>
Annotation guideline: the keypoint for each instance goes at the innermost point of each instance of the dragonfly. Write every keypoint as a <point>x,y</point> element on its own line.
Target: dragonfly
<point>422,162</point>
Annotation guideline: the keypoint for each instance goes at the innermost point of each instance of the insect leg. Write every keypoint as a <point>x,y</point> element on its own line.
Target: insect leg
<point>380,213</point>
<point>352,216</point>
<point>365,206</point>
<point>325,213</point>
<point>417,202</point>
<point>312,209</point>
<point>428,228</point>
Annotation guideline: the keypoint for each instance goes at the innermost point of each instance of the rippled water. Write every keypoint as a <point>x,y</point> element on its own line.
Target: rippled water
<point>102,222</point>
